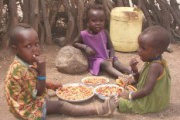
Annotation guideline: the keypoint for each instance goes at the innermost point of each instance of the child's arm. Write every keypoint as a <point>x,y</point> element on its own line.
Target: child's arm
<point>133,63</point>
<point>78,43</point>
<point>155,71</point>
<point>53,86</point>
<point>110,46</point>
<point>41,79</point>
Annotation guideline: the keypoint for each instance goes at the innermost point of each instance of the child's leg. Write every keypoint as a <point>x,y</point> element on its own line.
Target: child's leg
<point>105,65</point>
<point>62,107</point>
<point>120,67</point>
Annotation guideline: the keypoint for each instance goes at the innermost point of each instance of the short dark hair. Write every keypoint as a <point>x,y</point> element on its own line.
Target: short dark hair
<point>92,7</point>
<point>160,36</point>
<point>19,27</point>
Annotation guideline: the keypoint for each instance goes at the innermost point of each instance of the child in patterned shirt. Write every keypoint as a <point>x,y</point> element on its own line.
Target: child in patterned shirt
<point>25,86</point>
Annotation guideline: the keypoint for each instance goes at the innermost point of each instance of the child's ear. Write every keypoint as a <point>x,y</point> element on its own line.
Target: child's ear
<point>14,48</point>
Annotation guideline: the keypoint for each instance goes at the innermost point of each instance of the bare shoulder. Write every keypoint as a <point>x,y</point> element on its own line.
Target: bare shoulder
<point>156,68</point>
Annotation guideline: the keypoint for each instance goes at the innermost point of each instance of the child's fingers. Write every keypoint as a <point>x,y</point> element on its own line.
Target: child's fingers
<point>92,53</point>
<point>56,86</point>
<point>39,59</point>
<point>36,58</point>
<point>33,66</point>
<point>134,61</point>
<point>59,85</point>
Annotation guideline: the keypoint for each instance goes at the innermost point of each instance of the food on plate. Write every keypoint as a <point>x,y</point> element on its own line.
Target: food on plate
<point>108,90</point>
<point>95,80</point>
<point>74,92</point>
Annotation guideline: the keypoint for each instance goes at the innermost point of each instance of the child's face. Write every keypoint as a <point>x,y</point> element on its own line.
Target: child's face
<point>146,52</point>
<point>96,20</point>
<point>28,45</point>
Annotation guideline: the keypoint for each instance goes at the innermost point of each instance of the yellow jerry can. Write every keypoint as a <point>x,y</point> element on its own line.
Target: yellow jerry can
<point>125,27</point>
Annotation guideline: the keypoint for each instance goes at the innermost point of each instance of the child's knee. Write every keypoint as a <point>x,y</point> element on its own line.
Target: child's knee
<point>105,65</point>
<point>115,63</point>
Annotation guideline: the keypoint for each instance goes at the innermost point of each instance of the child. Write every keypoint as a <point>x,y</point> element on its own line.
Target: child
<point>25,87</point>
<point>153,81</point>
<point>96,43</point>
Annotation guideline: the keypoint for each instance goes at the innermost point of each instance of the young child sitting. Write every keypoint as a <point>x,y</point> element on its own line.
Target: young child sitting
<point>153,81</point>
<point>96,43</point>
<point>25,84</point>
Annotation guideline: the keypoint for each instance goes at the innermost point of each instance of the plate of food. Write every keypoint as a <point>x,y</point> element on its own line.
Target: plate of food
<point>75,92</point>
<point>103,91</point>
<point>95,80</point>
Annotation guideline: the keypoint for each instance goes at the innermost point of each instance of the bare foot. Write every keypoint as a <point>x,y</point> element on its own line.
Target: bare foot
<point>108,107</point>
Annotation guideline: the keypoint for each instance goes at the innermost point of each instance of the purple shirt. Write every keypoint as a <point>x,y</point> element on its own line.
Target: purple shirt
<point>98,43</point>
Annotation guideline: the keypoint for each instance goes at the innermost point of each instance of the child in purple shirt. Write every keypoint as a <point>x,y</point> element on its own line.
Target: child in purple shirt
<point>96,43</point>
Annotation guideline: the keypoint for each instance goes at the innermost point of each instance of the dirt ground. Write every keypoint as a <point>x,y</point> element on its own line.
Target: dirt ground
<point>171,113</point>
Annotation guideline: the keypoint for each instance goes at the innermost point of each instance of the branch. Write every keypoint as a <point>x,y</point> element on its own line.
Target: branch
<point>21,4</point>
<point>156,11</point>
<point>166,18</point>
<point>109,4</point>
<point>107,9</point>
<point>3,30</point>
<point>80,15</point>
<point>175,7</point>
<point>175,34</point>
<point>73,7</point>
<point>126,3</point>
<point>12,21</point>
<point>46,23</point>
<point>174,14</point>
<point>54,11</point>
<point>71,22</point>
<point>1,7</point>
<point>141,5</point>
<point>26,11</point>
<point>120,3</point>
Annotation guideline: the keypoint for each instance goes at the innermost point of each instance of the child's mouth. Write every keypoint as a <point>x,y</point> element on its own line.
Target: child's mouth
<point>35,55</point>
<point>98,28</point>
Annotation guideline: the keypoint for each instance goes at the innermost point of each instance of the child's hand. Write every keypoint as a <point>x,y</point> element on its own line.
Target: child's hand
<point>124,80</point>
<point>133,63</point>
<point>124,94</point>
<point>110,59</point>
<point>41,65</point>
<point>53,86</point>
<point>90,52</point>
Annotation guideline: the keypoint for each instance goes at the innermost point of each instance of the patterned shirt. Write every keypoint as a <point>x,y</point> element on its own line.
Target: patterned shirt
<point>21,93</point>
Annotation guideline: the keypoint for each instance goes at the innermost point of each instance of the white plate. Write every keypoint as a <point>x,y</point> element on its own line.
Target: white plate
<point>75,101</point>
<point>94,77</point>
<point>103,97</point>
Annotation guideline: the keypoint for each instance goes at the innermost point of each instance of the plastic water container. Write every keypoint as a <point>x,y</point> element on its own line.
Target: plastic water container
<point>125,27</point>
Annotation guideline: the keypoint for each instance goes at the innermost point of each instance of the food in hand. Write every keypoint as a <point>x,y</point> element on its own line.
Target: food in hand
<point>119,82</point>
<point>131,88</point>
